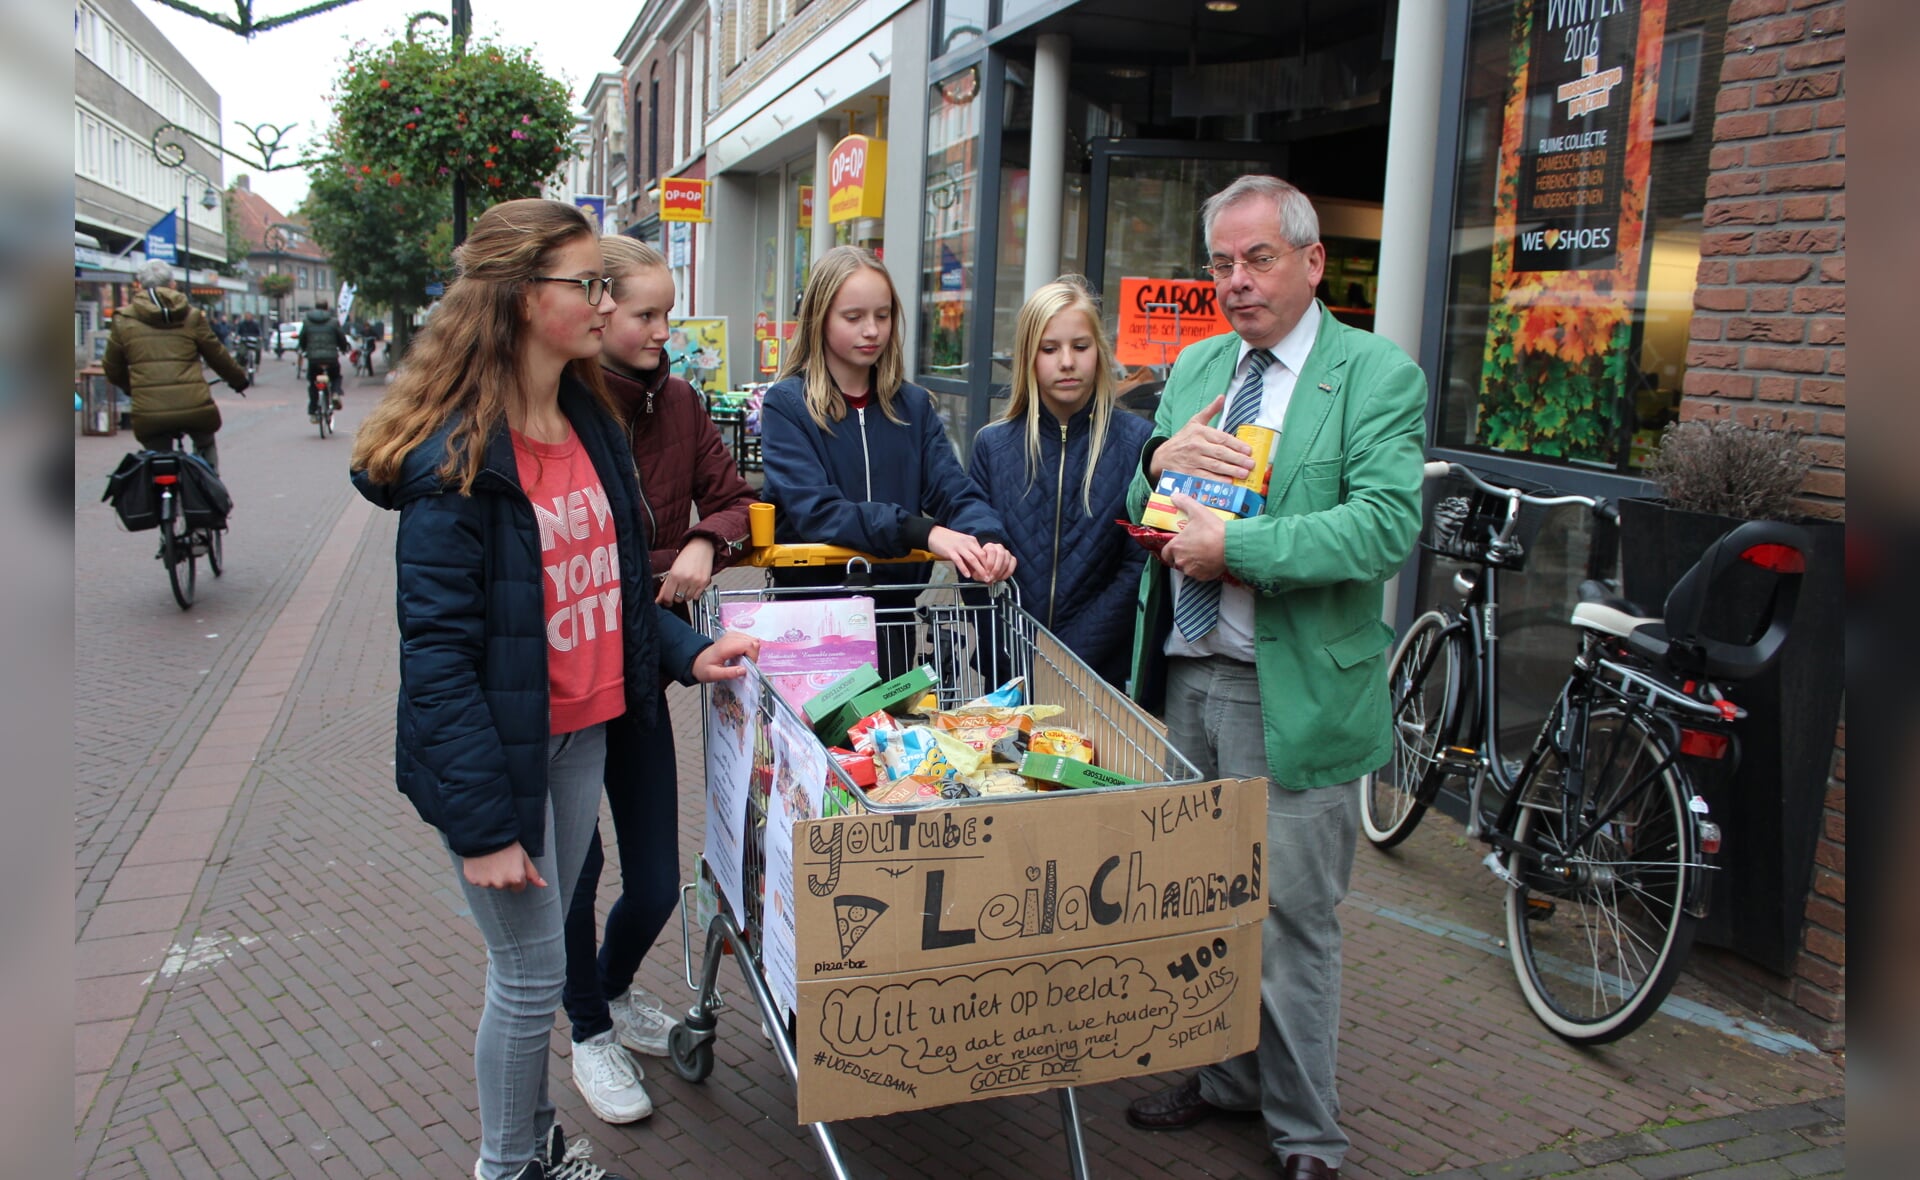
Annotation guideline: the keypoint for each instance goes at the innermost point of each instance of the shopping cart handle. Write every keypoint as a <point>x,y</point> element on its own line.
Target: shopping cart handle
<point>765,553</point>
<point>822,555</point>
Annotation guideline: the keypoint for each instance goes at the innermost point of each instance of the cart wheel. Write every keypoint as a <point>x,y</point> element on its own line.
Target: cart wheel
<point>690,1054</point>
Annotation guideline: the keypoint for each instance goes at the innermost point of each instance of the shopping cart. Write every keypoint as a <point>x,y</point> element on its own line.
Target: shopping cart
<point>972,635</point>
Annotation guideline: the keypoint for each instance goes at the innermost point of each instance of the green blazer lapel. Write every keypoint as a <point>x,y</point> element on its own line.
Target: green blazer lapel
<point>1316,391</point>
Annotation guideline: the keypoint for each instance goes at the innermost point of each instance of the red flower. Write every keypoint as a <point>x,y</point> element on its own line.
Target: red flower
<point>488,164</point>
<point>394,178</point>
<point>411,126</point>
<point>366,169</point>
<point>385,85</point>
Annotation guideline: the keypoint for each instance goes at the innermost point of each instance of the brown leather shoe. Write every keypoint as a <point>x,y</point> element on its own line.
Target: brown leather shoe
<point>1307,1167</point>
<point>1173,1109</point>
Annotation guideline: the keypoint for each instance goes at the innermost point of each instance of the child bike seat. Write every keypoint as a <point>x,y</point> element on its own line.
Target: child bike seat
<point>1728,615</point>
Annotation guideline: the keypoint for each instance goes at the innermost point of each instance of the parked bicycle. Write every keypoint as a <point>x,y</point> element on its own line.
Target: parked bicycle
<point>1599,835</point>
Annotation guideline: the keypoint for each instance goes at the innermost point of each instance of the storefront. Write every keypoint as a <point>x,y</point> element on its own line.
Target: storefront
<point>816,129</point>
<point>1145,107</point>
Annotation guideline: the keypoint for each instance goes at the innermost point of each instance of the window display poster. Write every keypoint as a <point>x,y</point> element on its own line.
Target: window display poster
<point>1569,222</point>
<point>697,352</point>
<point>733,722</point>
<point>799,786</point>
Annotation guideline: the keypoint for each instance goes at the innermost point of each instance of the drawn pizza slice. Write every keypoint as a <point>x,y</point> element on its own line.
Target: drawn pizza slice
<point>853,916</point>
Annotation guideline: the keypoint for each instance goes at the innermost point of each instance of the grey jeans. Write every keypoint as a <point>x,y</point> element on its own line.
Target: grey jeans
<point>527,960</point>
<point>1214,718</point>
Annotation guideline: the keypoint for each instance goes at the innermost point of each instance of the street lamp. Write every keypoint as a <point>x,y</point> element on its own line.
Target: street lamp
<point>209,200</point>
<point>276,237</point>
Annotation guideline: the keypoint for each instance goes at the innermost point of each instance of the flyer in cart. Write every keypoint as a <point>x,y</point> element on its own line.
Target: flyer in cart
<point>733,721</point>
<point>799,784</point>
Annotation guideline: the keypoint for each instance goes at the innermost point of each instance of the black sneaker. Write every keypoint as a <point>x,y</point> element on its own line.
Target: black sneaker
<point>557,1161</point>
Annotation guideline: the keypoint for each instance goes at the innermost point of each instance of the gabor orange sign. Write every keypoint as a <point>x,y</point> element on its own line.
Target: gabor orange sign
<point>1159,317</point>
<point>856,178</point>
<point>682,199</point>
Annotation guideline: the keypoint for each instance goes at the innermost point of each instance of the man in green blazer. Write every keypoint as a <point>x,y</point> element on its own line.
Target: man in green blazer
<point>1262,645</point>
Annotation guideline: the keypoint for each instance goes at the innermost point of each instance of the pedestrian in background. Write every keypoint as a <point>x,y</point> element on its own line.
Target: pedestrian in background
<point>530,655</point>
<point>1056,468</point>
<point>684,467</point>
<point>1283,675</point>
<point>856,456</point>
<point>156,350</point>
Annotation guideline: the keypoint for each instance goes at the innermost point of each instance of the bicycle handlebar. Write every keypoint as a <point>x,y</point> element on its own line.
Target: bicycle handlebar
<point>1437,468</point>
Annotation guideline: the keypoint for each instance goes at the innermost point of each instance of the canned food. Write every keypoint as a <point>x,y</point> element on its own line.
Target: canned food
<point>1261,439</point>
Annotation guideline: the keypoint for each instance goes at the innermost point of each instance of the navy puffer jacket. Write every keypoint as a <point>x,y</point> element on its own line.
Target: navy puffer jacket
<point>471,746</point>
<point>868,483</point>
<point>1079,573</point>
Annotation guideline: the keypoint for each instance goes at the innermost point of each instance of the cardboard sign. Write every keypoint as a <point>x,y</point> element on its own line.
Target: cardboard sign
<point>856,178</point>
<point>877,893</point>
<point>1159,317</point>
<point>919,1039</point>
<point>683,199</point>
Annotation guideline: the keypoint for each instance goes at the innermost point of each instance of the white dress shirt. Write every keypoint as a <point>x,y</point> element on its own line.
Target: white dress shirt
<point>1232,636</point>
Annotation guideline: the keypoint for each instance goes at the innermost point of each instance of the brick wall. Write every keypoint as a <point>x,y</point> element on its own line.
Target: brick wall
<point>765,53</point>
<point>1769,344</point>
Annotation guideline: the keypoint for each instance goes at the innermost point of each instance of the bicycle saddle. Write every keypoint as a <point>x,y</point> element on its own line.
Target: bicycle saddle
<point>1600,609</point>
<point>1728,616</point>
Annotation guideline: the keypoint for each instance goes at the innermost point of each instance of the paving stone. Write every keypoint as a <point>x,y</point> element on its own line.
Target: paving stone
<point>1690,1162</point>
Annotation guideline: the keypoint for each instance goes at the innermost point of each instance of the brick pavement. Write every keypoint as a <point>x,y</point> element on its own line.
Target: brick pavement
<point>316,1015</point>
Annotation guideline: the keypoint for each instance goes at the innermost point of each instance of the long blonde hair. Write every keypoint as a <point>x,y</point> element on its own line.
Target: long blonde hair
<point>466,362</point>
<point>623,258</point>
<point>1061,295</point>
<point>808,356</point>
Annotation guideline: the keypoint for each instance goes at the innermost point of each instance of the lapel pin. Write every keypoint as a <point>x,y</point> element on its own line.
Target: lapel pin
<point>1326,387</point>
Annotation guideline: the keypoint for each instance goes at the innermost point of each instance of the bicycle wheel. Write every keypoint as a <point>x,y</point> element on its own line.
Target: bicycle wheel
<point>176,550</point>
<point>326,412</point>
<point>216,551</point>
<point>1598,932</point>
<point>1423,682</point>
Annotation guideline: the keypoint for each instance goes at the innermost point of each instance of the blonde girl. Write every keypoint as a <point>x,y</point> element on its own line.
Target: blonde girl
<point>1056,467</point>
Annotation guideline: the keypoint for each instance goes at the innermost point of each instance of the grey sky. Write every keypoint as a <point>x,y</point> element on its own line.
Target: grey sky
<point>283,75</point>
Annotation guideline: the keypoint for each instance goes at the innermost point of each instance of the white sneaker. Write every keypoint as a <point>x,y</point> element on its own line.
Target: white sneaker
<point>641,1021</point>
<point>610,1080</point>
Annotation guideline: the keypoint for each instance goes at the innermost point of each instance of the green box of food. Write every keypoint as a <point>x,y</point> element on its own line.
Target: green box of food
<point>903,689</point>
<point>1071,772</point>
<point>821,707</point>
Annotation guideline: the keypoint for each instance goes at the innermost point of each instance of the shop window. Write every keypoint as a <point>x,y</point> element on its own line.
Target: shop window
<point>1679,85</point>
<point>949,253</point>
<point>962,23</point>
<point>1574,247</point>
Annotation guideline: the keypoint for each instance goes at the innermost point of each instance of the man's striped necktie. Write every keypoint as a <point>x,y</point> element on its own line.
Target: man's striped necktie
<point>1196,609</point>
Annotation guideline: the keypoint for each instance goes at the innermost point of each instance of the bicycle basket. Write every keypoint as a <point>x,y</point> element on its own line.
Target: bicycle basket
<point>1462,521</point>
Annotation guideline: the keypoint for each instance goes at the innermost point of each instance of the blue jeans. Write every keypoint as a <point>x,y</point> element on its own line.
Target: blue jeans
<point>526,961</point>
<point>646,823</point>
<point>1214,718</point>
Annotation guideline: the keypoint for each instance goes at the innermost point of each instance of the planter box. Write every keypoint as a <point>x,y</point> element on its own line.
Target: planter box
<point>1770,806</point>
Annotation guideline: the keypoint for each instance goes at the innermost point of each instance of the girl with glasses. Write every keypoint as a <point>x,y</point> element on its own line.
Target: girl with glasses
<point>530,650</point>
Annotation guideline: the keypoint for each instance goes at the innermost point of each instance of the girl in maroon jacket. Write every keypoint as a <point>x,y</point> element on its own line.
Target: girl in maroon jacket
<point>683,465</point>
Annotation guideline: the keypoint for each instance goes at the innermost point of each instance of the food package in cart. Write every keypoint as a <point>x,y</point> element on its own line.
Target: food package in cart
<point>807,644</point>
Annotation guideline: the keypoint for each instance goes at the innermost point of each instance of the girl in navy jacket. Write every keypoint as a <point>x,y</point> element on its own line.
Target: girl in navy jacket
<point>1056,467</point>
<point>854,455</point>
<point>529,668</point>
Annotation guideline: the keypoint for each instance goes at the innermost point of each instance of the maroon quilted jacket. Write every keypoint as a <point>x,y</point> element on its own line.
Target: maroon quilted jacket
<point>683,465</point>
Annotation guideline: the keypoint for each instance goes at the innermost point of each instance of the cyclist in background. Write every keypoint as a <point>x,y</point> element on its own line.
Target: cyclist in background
<point>320,342</point>
<point>155,351</point>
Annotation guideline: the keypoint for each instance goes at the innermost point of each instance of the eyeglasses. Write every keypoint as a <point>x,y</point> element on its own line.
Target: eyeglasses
<point>1222,269</point>
<point>594,287</point>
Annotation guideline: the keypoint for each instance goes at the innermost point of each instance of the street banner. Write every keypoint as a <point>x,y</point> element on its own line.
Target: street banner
<point>345,301</point>
<point>596,209</point>
<point>1569,225</point>
<point>161,238</point>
